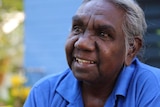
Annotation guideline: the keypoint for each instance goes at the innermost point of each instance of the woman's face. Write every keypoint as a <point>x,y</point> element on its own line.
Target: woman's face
<point>95,48</point>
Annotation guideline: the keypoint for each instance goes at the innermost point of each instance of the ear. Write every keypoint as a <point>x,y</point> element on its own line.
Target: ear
<point>133,50</point>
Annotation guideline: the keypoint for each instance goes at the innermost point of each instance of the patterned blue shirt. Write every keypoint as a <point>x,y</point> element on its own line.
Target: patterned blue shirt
<point>138,85</point>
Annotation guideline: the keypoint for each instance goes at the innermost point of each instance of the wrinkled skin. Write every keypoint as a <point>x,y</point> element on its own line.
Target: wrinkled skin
<point>95,49</point>
<point>96,37</point>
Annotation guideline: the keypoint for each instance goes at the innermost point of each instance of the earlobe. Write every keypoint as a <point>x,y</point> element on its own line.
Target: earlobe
<point>133,50</point>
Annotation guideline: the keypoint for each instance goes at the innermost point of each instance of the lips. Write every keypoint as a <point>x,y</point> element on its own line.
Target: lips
<point>83,61</point>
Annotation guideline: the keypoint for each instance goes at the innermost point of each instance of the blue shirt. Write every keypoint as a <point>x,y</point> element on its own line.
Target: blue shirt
<point>138,85</point>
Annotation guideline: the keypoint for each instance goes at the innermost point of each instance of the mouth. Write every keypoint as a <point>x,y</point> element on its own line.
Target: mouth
<point>83,61</point>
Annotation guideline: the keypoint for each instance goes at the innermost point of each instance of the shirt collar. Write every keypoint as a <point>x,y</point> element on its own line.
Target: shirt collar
<point>69,88</point>
<point>72,89</point>
<point>124,78</point>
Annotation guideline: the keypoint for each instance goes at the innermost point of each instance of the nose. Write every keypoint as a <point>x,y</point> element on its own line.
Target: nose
<point>85,43</point>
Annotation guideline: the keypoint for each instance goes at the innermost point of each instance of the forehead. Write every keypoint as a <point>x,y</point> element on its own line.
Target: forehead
<point>102,10</point>
<point>95,7</point>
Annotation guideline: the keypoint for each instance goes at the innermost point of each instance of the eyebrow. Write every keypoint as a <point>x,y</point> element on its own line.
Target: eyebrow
<point>77,18</point>
<point>108,27</point>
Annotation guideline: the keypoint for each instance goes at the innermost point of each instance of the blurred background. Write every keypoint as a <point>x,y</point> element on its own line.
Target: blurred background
<point>32,39</point>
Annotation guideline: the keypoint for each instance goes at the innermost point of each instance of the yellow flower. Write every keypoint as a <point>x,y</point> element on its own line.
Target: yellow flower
<point>15,92</point>
<point>24,92</point>
<point>7,106</point>
<point>20,92</point>
<point>17,80</point>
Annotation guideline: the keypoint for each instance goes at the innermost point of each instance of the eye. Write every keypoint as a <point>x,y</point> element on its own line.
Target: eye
<point>104,34</point>
<point>77,29</point>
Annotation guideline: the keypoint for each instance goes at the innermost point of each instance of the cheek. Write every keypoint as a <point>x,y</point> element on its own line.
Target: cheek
<point>69,47</point>
<point>111,56</point>
<point>111,63</point>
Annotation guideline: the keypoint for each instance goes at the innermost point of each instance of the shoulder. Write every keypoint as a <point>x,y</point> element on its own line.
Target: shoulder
<point>42,92</point>
<point>146,80</point>
<point>51,81</point>
<point>144,71</point>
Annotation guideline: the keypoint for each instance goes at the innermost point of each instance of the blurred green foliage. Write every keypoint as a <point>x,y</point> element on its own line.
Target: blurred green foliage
<point>7,41</point>
<point>11,54</point>
<point>11,5</point>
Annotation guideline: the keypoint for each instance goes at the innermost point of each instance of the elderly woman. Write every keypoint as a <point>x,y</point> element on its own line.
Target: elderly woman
<point>104,70</point>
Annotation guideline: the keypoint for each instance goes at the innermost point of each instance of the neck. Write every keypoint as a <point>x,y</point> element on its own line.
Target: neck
<point>95,95</point>
<point>99,90</point>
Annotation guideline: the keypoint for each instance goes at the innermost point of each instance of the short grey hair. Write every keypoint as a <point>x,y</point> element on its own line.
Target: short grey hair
<point>134,24</point>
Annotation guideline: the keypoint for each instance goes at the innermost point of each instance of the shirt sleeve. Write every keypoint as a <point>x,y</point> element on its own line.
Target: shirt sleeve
<point>31,100</point>
<point>39,96</point>
<point>149,93</point>
<point>43,93</point>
